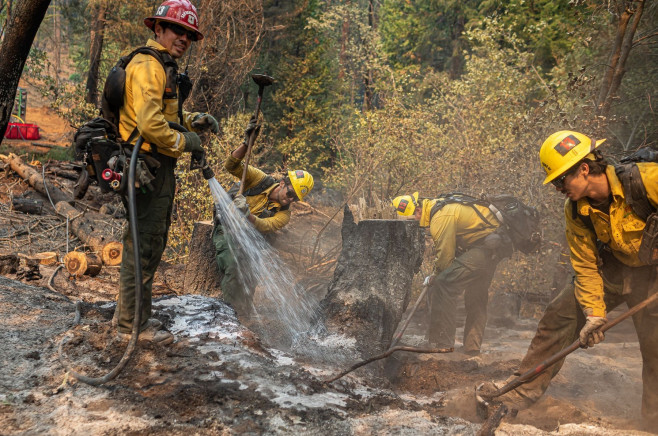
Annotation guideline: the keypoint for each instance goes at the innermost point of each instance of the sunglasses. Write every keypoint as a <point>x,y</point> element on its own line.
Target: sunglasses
<point>559,182</point>
<point>179,30</point>
<point>290,193</point>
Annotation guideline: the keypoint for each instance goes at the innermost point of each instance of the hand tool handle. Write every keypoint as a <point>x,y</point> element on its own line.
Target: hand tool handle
<point>531,374</point>
<point>398,336</point>
<point>250,142</point>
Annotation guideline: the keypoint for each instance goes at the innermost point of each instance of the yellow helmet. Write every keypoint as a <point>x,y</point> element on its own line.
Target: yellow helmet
<point>301,181</point>
<point>564,149</point>
<point>405,205</point>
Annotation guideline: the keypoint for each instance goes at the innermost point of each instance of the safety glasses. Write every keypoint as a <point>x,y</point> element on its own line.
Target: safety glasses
<point>179,30</point>
<point>559,182</point>
<point>290,193</point>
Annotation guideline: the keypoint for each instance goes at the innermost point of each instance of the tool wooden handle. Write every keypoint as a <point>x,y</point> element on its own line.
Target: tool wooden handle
<point>531,374</point>
<point>250,142</point>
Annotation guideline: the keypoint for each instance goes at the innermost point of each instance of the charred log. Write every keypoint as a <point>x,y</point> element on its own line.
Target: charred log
<point>27,205</point>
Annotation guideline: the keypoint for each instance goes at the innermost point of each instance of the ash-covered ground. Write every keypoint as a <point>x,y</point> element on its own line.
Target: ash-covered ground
<point>219,378</point>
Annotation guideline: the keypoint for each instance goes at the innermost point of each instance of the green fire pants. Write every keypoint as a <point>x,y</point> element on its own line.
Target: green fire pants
<point>153,220</point>
<point>470,273</point>
<point>233,291</point>
<point>560,327</point>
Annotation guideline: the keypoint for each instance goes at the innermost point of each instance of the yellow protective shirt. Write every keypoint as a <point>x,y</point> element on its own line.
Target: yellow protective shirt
<point>455,225</point>
<point>621,230</point>
<point>260,202</point>
<point>144,108</point>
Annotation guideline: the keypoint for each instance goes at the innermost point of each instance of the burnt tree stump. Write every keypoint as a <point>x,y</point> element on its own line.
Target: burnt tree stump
<point>371,287</point>
<point>202,276</point>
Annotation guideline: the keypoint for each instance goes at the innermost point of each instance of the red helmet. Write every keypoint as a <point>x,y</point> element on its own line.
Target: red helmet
<point>180,12</point>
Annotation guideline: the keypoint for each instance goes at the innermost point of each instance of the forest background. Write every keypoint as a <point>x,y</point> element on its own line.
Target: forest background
<point>379,98</point>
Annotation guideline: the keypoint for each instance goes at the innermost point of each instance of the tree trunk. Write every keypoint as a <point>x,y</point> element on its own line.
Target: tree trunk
<point>25,20</point>
<point>371,287</point>
<point>91,233</point>
<point>33,177</point>
<point>97,35</point>
<point>202,276</point>
<point>619,55</point>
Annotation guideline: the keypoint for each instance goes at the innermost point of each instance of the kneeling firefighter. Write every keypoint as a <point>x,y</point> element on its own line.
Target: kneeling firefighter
<point>265,203</point>
<point>152,100</point>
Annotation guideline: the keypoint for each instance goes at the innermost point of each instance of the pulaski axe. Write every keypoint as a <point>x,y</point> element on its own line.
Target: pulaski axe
<point>262,80</point>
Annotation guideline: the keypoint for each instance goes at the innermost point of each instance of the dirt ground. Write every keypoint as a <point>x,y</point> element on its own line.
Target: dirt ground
<point>221,377</point>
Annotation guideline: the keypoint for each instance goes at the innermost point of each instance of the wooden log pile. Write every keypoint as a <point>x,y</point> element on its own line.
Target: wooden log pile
<point>90,228</point>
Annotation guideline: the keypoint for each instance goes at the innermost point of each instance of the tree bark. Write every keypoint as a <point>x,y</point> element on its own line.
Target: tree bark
<point>33,177</point>
<point>27,205</point>
<point>202,276</point>
<point>97,35</point>
<point>91,232</point>
<point>619,55</point>
<point>371,287</point>
<point>25,20</point>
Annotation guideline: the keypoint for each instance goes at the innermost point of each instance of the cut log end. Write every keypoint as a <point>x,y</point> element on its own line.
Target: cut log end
<point>75,263</point>
<point>79,264</point>
<point>111,253</point>
<point>46,257</point>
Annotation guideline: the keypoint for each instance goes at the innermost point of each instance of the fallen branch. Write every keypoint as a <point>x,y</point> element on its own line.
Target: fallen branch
<point>386,354</point>
<point>491,424</point>
<point>33,177</point>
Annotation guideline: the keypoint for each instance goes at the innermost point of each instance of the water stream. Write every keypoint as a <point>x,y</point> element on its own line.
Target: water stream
<point>263,272</point>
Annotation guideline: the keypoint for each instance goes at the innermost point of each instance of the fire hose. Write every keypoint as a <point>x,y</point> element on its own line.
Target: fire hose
<point>196,162</point>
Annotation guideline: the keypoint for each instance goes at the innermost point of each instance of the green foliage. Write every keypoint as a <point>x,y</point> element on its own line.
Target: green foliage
<point>425,32</point>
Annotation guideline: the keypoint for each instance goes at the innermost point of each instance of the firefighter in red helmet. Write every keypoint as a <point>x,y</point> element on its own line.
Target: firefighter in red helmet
<point>152,99</point>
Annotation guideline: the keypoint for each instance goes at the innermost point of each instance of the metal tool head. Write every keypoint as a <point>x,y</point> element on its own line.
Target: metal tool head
<point>262,80</point>
<point>482,402</point>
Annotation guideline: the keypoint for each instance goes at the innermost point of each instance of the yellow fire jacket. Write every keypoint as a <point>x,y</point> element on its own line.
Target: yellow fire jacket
<point>144,108</point>
<point>260,202</point>
<point>455,225</point>
<point>621,230</point>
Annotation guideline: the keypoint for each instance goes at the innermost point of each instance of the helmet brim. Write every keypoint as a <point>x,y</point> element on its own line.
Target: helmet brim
<point>150,23</point>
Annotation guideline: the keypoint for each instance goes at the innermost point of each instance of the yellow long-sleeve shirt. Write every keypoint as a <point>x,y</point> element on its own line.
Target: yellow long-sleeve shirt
<point>455,225</point>
<point>260,202</point>
<point>144,106</point>
<point>621,230</point>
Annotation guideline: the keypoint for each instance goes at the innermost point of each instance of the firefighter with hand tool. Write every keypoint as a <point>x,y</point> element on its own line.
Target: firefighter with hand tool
<point>153,99</point>
<point>607,212</point>
<point>265,202</point>
<point>467,252</point>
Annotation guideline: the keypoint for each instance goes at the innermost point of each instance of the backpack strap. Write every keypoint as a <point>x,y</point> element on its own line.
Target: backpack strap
<point>465,200</point>
<point>636,193</point>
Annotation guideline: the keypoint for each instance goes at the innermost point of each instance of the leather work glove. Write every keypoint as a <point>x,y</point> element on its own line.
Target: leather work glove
<point>588,334</point>
<point>203,122</point>
<point>192,142</point>
<point>428,280</point>
<point>253,126</point>
<point>240,203</point>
